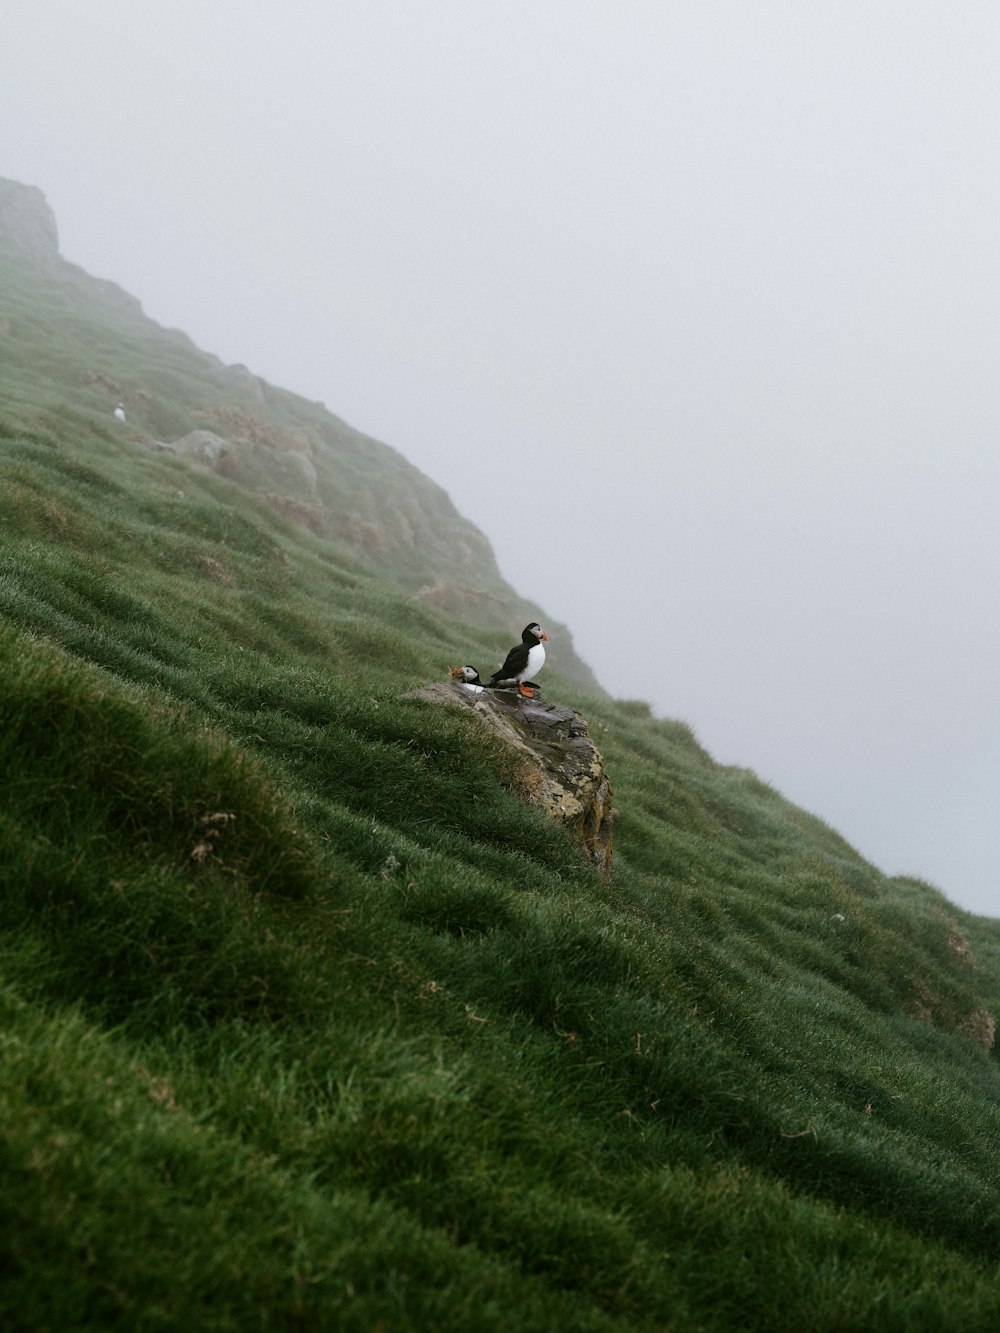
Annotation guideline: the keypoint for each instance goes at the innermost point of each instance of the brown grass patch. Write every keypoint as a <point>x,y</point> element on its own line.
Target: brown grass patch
<point>215,570</point>
<point>980,1027</point>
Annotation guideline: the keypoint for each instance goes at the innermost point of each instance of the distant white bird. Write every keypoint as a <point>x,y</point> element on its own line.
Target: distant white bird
<point>120,412</point>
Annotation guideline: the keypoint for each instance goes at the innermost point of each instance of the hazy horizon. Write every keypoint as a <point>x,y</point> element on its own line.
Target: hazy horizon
<point>691,307</point>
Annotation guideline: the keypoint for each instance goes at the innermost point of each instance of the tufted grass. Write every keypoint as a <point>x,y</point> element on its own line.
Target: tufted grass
<point>306,1022</point>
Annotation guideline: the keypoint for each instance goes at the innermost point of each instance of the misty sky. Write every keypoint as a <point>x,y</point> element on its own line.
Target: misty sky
<point>693,307</point>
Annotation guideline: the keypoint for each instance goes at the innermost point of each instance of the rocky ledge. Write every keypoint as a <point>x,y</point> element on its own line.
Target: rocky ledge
<point>27,223</point>
<point>562,771</point>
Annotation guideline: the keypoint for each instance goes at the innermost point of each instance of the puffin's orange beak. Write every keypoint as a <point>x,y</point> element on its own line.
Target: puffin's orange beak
<point>455,671</point>
<point>545,636</point>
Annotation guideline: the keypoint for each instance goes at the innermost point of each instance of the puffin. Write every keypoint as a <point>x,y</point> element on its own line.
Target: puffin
<point>119,412</point>
<point>523,660</point>
<point>469,677</point>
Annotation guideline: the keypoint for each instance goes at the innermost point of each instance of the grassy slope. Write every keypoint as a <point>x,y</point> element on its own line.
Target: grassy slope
<point>71,345</point>
<point>307,1023</point>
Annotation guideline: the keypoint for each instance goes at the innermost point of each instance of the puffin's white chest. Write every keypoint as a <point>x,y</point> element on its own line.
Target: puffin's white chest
<point>536,660</point>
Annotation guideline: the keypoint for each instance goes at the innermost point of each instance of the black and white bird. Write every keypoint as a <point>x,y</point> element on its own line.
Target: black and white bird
<point>469,677</point>
<point>524,660</point>
<point>119,412</point>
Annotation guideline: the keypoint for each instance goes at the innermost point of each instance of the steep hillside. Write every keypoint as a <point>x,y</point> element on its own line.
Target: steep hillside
<point>308,1022</point>
<point>73,346</point>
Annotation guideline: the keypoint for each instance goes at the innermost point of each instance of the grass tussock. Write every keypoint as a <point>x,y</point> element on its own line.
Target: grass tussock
<point>306,1021</point>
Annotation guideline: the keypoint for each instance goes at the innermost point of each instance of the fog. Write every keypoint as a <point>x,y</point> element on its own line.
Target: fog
<point>692,307</point>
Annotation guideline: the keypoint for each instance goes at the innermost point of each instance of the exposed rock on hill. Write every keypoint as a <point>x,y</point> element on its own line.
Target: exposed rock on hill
<point>199,446</point>
<point>560,768</point>
<point>27,223</point>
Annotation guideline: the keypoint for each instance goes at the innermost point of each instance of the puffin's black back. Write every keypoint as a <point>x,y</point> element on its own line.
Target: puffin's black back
<point>517,658</point>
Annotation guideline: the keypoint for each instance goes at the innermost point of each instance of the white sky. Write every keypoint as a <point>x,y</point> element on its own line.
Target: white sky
<point>692,305</point>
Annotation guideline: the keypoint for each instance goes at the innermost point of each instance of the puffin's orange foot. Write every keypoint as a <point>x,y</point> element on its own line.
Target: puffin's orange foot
<point>524,691</point>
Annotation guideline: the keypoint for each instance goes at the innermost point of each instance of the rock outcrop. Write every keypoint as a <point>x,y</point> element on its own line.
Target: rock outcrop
<point>199,446</point>
<point>560,770</point>
<point>27,223</point>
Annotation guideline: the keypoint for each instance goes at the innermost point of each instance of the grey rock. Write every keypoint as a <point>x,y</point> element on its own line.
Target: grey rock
<point>303,465</point>
<point>27,223</point>
<point>201,446</point>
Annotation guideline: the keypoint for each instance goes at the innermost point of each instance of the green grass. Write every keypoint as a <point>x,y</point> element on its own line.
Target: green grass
<point>305,1022</point>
